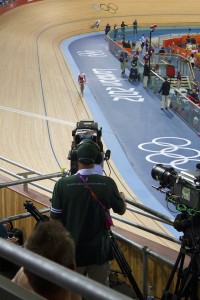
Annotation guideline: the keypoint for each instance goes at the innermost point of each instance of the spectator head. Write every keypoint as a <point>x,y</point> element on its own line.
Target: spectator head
<point>50,240</point>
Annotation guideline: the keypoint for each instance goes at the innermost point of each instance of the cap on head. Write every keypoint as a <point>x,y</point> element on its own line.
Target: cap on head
<point>87,152</point>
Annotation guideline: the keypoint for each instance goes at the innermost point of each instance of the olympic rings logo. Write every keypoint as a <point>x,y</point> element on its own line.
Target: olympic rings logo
<point>163,150</point>
<point>110,7</point>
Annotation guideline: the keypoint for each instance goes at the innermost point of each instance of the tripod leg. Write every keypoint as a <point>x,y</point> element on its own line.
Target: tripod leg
<point>189,283</point>
<point>179,260</point>
<point>180,274</point>
<point>125,268</point>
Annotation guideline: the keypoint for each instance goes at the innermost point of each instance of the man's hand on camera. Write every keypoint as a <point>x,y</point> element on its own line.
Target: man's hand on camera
<point>122,195</point>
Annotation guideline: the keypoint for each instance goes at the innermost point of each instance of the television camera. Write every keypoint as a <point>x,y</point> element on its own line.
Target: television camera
<point>86,129</point>
<point>184,192</point>
<point>184,186</point>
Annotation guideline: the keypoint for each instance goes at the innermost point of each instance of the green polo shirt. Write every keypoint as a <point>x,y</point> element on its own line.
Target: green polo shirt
<point>73,204</point>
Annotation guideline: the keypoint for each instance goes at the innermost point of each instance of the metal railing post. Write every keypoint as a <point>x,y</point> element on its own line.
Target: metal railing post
<point>25,176</point>
<point>145,270</point>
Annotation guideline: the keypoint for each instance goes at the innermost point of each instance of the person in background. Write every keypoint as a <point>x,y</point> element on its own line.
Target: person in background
<point>123,60</point>
<point>151,53</point>
<point>3,231</point>
<point>96,24</point>
<point>137,52</point>
<point>6,232</point>
<point>193,96</point>
<point>135,59</point>
<point>146,57</point>
<point>188,39</point>
<point>115,31</point>
<point>198,58</point>
<point>123,42</point>
<point>165,89</point>
<point>82,81</point>
<point>75,204</point>
<point>123,26</point>
<point>50,240</point>
<point>107,29</point>
<point>161,51</point>
<point>128,45</point>
<point>135,26</point>
<point>192,59</point>
<point>196,87</point>
<point>179,79</point>
<point>81,77</point>
<point>169,49</point>
<point>143,40</point>
<point>146,73</point>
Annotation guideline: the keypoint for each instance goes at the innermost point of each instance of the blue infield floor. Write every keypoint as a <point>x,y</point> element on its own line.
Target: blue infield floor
<point>135,129</point>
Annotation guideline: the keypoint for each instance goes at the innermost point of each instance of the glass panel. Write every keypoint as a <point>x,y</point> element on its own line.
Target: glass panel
<point>180,104</point>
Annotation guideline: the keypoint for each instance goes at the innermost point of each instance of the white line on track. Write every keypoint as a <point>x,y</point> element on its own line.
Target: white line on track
<point>18,111</point>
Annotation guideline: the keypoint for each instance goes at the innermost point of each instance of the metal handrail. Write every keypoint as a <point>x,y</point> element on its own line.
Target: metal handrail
<point>29,180</point>
<point>20,166</point>
<point>148,215</point>
<point>158,216</point>
<point>57,274</point>
<point>155,232</point>
<point>22,216</point>
<point>19,177</point>
<point>151,211</point>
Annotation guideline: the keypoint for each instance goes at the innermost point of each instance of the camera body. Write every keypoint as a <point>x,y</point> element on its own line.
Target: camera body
<point>187,188</point>
<point>184,186</point>
<point>85,129</point>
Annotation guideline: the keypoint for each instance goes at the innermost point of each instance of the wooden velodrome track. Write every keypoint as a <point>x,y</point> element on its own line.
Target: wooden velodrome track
<point>39,98</point>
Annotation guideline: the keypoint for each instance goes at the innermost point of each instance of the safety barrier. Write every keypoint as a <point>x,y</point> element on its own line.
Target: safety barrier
<point>6,5</point>
<point>55,273</point>
<point>145,252</point>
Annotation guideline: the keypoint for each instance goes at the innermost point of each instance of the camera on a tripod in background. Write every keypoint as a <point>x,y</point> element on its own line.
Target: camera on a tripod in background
<point>86,129</point>
<point>183,192</point>
<point>183,187</point>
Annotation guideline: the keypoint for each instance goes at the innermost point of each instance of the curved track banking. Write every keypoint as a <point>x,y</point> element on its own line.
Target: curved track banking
<point>39,99</point>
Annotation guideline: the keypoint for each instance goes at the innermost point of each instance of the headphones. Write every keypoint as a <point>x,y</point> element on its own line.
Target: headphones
<point>98,160</point>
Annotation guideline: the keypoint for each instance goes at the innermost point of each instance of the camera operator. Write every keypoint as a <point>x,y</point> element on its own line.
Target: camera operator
<point>74,205</point>
<point>5,232</point>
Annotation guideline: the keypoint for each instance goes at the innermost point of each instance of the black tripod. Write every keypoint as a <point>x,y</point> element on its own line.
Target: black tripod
<point>187,278</point>
<point>125,268</point>
<point>39,217</point>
